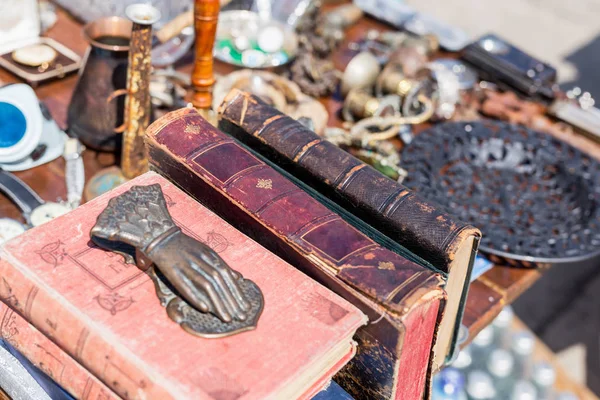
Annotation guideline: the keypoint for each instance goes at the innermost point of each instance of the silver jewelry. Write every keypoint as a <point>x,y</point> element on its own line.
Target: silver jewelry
<point>448,89</point>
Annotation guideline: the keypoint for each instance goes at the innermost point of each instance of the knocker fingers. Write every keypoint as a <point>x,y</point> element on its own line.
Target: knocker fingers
<point>190,292</point>
<point>232,279</point>
<point>219,289</point>
<point>229,277</point>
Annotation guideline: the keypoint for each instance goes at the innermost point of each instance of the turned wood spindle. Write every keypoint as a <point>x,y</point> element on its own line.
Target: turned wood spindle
<point>206,14</point>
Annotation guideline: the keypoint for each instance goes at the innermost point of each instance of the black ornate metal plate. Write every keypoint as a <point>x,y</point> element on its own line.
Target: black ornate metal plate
<point>535,198</point>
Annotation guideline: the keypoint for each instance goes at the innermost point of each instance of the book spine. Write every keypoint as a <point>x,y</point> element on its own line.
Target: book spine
<point>219,168</point>
<point>72,332</point>
<point>50,359</point>
<point>266,206</point>
<point>392,208</point>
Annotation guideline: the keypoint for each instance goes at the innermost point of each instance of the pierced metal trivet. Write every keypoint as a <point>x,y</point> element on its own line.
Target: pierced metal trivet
<point>534,197</point>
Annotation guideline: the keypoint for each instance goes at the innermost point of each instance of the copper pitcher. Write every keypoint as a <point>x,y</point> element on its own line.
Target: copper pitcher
<point>95,114</point>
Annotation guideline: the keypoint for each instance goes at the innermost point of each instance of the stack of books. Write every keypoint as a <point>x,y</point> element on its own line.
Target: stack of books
<point>363,282</point>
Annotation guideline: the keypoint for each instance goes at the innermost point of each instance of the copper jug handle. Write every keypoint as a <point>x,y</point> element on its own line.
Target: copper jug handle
<point>114,95</point>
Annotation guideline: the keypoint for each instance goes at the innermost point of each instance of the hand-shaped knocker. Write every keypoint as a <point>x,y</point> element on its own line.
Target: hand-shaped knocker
<point>200,291</point>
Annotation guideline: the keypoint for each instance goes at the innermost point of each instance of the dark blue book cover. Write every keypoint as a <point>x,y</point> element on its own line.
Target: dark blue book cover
<point>333,392</point>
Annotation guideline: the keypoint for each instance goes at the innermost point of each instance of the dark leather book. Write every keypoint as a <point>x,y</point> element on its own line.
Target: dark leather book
<point>448,245</point>
<point>402,299</point>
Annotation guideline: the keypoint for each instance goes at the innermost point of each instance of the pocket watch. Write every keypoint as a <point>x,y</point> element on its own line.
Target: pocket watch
<point>35,210</point>
<point>35,55</point>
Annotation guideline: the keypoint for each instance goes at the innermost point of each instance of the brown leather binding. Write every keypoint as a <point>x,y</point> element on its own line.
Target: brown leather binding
<point>412,221</point>
<point>398,295</point>
<point>394,210</point>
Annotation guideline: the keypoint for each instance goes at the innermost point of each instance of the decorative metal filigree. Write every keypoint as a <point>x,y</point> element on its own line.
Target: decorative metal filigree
<point>534,197</point>
<point>200,291</point>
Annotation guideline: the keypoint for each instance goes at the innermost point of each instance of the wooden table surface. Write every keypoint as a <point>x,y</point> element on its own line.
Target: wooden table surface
<point>488,294</point>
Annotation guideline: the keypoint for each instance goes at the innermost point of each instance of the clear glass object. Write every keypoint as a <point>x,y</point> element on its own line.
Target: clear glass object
<point>89,10</point>
<point>567,396</point>
<point>500,365</point>
<point>449,384</point>
<point>464,360</point>
<point>481,347</point>
<point>544,376</point>
<point>524,390</point>
<point>286,11</point>
<point>501,326</point>
<point>480,386</point>
<point>522,345</point>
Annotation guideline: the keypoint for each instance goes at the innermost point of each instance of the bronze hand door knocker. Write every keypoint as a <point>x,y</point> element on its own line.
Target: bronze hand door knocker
<point>200,291</point>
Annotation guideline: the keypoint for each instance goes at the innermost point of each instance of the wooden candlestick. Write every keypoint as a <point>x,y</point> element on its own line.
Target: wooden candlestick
<point>206,15</point>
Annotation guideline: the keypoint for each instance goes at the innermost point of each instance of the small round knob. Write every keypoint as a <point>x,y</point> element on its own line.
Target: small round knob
<point>143,14</point>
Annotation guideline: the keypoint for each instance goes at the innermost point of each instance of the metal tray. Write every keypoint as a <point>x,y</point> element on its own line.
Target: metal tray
<point>535,198</point>
<point>71,62</point>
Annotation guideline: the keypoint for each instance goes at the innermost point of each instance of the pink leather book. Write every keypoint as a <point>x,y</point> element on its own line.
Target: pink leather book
<point>106,315</point>
<point>49,358</point>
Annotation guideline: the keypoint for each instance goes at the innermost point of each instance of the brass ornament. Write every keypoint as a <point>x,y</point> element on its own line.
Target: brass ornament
<point>393,80</point>
<point>361,72</point>
<point>316,77</point>
<point>275,90</point>
<point>199,290</point>
<point>359,104</point>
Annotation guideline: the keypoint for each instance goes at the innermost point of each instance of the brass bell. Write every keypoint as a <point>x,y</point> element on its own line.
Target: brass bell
<point>393,80</point>
<point>410,58</point>
<point>359,104</point>
<point>361,72</point>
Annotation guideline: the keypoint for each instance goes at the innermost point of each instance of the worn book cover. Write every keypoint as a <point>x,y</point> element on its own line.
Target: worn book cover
<point>402,299</point>
<point>50,359</point>
<point>105,313</point>
<point>448,245</point>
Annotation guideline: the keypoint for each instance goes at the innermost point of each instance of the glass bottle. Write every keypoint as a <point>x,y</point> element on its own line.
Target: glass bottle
<point>544,376</point>
<point>524,390</point>
<point>501,326</point>
<point>464,360</point>
<point>480,386</point>
<point>500,365</point>
<point>567,396</point>
<point>449,384</point>
<point>522,345</point>
<point>481,347</point>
